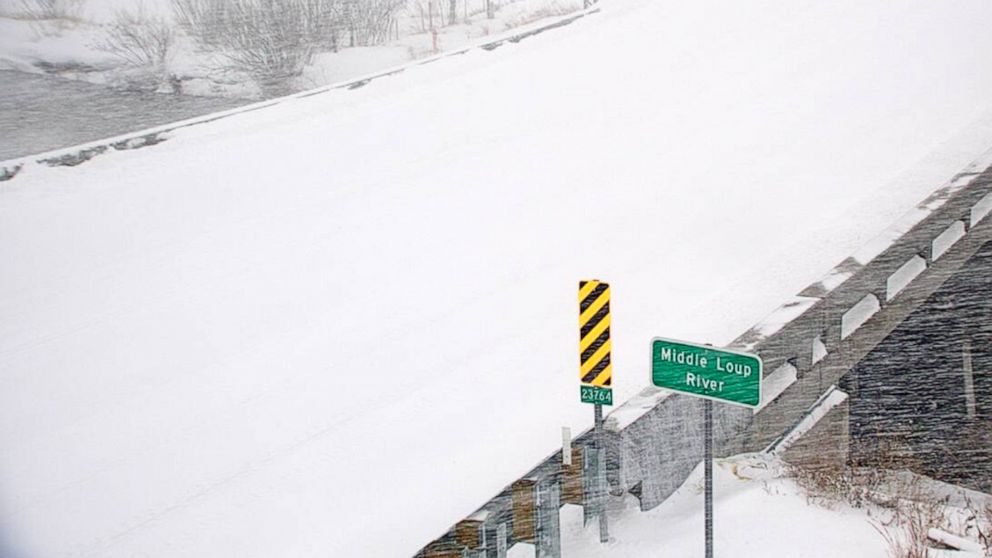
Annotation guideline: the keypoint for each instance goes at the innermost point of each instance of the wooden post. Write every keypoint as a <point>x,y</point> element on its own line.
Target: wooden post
<point>468,533</point>
<point>443,550</point>
<point>572,479</point>
<point>523,511</point>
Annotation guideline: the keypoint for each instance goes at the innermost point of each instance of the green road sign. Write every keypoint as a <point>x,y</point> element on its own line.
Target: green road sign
<point>596,395</point>
<point>703,371</point>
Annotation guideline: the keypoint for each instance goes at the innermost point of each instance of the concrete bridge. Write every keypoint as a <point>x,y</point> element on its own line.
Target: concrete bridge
<point>885,361</point>
<point>922,398</point>
<point>836,361</point>
<point>889,354</point>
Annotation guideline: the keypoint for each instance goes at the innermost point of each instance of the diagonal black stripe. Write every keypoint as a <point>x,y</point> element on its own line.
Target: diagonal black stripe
<point>599,342</point>
<point>591,297</point>
<point>596,369</point>
<point>608,381</point>
<point>594,321</point>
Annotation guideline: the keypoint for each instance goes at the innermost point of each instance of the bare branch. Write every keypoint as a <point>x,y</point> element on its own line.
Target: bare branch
<point>139,40</point>
<point>52,9</point>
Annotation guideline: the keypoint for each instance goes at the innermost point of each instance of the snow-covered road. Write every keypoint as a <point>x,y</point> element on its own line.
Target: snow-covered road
<point>335,326</point>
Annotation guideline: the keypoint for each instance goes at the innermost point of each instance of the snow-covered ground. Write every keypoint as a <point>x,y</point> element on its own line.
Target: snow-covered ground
<point>336,326</point>
<point>759,511</point>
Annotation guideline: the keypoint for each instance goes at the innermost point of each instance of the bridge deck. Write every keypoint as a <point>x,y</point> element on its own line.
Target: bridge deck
<point>337,325</point>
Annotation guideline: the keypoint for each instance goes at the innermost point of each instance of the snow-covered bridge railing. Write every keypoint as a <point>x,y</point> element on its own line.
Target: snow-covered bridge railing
<point>654,440</point>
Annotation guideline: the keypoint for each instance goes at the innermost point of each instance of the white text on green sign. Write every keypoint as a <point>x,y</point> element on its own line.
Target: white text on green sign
<point>706,372</point>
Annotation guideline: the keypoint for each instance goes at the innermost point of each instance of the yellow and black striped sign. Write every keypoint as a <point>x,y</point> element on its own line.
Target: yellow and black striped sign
<point>595,368</point>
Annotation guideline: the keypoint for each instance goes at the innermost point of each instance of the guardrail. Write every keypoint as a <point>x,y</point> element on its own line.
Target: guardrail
<point>654,440</point>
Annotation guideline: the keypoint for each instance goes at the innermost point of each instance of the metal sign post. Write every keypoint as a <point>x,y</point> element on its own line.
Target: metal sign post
<point>713,375</point>
<point>708,458</point>
<point>604,528</point>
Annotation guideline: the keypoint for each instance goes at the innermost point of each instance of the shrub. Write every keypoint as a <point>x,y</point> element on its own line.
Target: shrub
<point>829,484</point>
<point>907,534</point>
<point>981,521</point>
<point>47,18</point>
<point>368,22</point>
<point>271,41</point>
<point>52,9</point>
<point>139,40</point>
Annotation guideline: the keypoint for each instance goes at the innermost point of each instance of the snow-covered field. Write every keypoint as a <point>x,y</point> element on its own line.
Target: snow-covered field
<point>336,326</point>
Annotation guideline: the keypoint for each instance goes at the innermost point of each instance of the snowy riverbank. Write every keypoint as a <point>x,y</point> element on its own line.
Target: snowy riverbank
<point>74,49</point>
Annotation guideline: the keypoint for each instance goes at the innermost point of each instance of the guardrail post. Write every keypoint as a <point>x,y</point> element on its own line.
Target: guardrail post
<point>471,535</point>
<point>589,468</point>
<point>524,511</point>
<point>445,549</point>
<point>501,543</point>
<point>594,487</point>
<point>571,475</point>
<point>548,519</point>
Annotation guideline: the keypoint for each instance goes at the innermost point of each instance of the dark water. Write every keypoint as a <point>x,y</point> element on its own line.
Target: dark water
<point>40,113</point>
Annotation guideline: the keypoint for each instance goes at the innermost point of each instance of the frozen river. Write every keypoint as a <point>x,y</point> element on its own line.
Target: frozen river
<point>40,113</point>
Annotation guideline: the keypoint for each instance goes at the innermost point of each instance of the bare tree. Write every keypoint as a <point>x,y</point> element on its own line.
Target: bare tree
<point>323,22</point>
<point>423,13</point>
<point>273,40</point>
<point>369,21</point>
<point>138,39</point>
<point>201,19</point>
<point>52,9</point>
<point>142,42</point>
<point>269,40</point>
<point>48,17</point>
